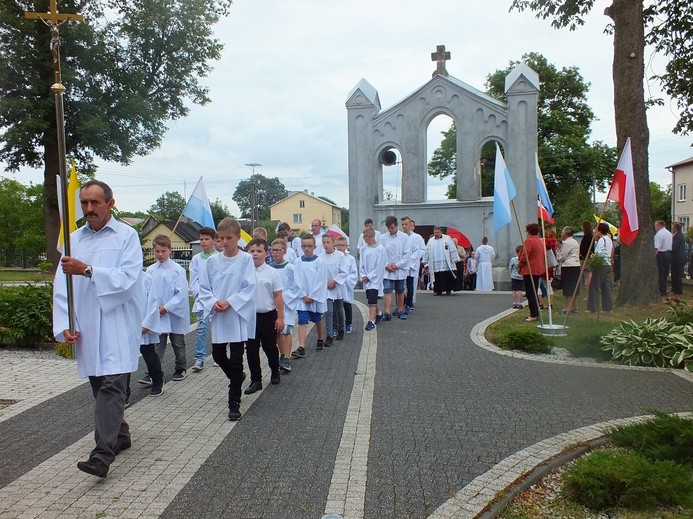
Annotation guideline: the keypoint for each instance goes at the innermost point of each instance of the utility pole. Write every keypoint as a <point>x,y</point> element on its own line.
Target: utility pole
<point>253,196</point>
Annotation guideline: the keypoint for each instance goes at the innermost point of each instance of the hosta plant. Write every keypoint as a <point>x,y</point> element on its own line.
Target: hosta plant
<point>654,342</point>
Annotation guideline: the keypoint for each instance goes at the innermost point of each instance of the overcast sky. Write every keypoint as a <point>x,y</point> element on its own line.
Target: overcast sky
<point>279,90</point>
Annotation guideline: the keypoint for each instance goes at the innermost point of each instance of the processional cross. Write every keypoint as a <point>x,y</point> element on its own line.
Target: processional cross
<point>440,56</point>
<point>54,19</point>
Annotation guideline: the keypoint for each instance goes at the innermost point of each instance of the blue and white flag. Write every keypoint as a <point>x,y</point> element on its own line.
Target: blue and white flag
<point>541,188</point>
<point>197,208</point>
<point>503,192</point>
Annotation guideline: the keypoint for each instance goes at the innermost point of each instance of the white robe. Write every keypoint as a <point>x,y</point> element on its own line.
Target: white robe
<point>484,256</point>
<point>441,254</point>
<point>311,281</point>
<point>396,252</point>
<point>150,311</point>
<point>372,265</point>
<point>351,280</point>
<point>232,280</point>
<point>336,269</point>
<point>171,286</point>
<point>290,292</point>
<point>197,264</point>
<point>107,305</point>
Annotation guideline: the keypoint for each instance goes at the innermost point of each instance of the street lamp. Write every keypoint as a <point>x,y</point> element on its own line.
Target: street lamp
<point>253,195</point>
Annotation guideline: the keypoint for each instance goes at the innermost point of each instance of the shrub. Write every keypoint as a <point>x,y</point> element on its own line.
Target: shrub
<point>654,342</point>
<point>26,314</point>
<point>525,340</point>
<point>624,479</point>
<point>64,349</point>
<point>666,437</point>
<point>679,313</point>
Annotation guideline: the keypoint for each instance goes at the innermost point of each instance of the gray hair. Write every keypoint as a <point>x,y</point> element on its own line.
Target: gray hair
<point>568,230</point>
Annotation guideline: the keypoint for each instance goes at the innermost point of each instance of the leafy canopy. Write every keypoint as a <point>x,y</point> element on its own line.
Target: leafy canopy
<point>265,191</point>
<point>168,206</point>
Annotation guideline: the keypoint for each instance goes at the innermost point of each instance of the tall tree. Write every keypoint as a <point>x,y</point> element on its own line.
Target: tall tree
<point>564,121</point>
<point>667,25</point>
<point>264,191</point>
<point>168,206</point>
<point>219,210</point>
<point>129,68</point>
<point>21,225</point>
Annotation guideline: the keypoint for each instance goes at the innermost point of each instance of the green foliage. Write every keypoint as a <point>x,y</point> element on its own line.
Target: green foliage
<point>21,216</point>
<point>26,314</point>
<point>219,210</point>
<point>605,480</point>
<point>679,313</point>
<point>168,206</point>
<point>667,437</point>
<point>654,342</point>
<point>264,191</point>
<point>525,340</point>
<point>660,202</point>
<point>64,349</point>
<point>597,263</point>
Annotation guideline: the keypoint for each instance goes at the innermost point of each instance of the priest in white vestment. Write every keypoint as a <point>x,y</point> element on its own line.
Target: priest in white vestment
<point>484,256</point>
<point>441,255</point>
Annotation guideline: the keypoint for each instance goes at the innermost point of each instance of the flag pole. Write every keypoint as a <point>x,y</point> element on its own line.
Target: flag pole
<point>546,263</point>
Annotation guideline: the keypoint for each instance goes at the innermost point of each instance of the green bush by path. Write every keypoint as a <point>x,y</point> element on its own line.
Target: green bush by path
<point>666,437</point>
<point>26,314</point>
<point>525,340</point>
<point>606,480</point>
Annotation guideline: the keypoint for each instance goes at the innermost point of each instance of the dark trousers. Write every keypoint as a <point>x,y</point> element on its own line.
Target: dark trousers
<point>409,298</point>
<point>348,314</point>
<point>600,288</point>
<point>229,356</point>
<point>663,262</point>
<point>677,278</point>
<point>531,292</point>
<point>178,345</point>
<point>265,336</point>
<point>151,359</point>
<point>443,282</point>
<point>109,421</point>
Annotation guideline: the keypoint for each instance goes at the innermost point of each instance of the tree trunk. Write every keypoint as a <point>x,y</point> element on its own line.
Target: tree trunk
<point>638,267</point>
<point>50,198</point>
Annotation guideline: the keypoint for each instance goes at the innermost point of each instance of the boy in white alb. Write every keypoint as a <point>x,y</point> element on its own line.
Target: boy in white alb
<point>171,285</point>
<point>269,317</point>
<point>371,270</point>
<point>289,298</point>
<point>349,284</point>
<point>207,235</point>
<point>336,272</point>
<point>227,293</point>
<point>312,292</point>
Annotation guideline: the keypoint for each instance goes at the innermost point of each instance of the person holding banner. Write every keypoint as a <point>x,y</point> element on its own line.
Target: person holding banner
<point>106,265</point>
<point>532,267</point>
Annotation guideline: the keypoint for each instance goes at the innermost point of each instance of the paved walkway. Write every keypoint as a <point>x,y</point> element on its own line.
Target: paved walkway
<point>415,420</point>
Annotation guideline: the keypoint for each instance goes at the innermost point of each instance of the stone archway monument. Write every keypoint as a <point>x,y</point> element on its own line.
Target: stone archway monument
<point>479,118</point>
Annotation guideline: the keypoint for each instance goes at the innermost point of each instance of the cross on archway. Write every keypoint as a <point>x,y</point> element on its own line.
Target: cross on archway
<point>440,56</point>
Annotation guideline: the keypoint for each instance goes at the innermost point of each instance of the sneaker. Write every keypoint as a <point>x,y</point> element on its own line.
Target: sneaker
<point>156,391</point>
<point>275,378</point>
<point>370,326</point>
<point>407,310</point>
<point>298,353</point>
<point>340,335</point>
<point>348,328</point>
<point>319,345</point>
<point>284,365</point>
<point>412,307</point>
<point>234,412</point>
<point>378,318</point>
<point>215,365</point>
<point>403,316</point>
<point>198,366</point>
<point>329,341</point>
<point>254,387</point>
<point>395,314</point>
<point>146,380</point>
<point>387,317</point>
<point>178,375</point>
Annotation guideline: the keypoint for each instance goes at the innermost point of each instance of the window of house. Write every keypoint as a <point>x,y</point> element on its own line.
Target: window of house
<point>685,221</point>
<point>301,203</point>
<point>298,217</point>
<point>682,192</point>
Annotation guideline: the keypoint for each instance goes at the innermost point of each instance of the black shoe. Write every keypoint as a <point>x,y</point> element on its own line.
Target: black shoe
<point>93,466</point>
<point>298,353</point>
<point>122,446</point>
<point>328,342</point>
<point>254,387</point>
<point>234,412</point>
<point>340,335</point>
<point>275,378</point>
<point>319,346</point>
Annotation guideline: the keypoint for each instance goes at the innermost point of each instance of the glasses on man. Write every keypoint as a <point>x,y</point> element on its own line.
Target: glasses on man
<point>277,250</point>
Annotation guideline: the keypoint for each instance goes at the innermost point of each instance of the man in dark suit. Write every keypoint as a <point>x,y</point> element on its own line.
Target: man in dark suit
<point>678,258</point>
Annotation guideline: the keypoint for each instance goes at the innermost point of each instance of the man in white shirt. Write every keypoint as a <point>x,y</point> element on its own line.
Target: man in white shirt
<point>105,265</point>
<point>662,245</point>
<point>395,243</point>
<point>484,256</point>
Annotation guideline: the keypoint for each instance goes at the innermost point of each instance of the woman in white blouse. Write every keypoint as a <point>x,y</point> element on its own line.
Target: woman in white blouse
<point>569,258</point>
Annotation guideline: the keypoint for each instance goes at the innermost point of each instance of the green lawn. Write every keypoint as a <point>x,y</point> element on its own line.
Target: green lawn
<point>585,329</point>
<point>23,275</point>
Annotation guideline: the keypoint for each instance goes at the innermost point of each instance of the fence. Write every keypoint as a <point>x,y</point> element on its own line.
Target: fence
<point>180,255</point>
<point>21,259</point>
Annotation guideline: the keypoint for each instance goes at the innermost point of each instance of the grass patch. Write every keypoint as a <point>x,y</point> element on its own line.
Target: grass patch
<point>23,275</point>
<point>585,330</point>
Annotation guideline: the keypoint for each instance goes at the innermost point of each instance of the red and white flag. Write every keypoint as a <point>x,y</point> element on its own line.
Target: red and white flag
<point>623,191</point>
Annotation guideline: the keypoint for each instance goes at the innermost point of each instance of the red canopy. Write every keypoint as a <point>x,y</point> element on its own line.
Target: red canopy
<point>462,240</point>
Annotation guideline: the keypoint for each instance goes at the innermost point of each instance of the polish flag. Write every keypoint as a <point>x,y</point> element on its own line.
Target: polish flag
<point>623,191</point>
<point>543,214</point>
